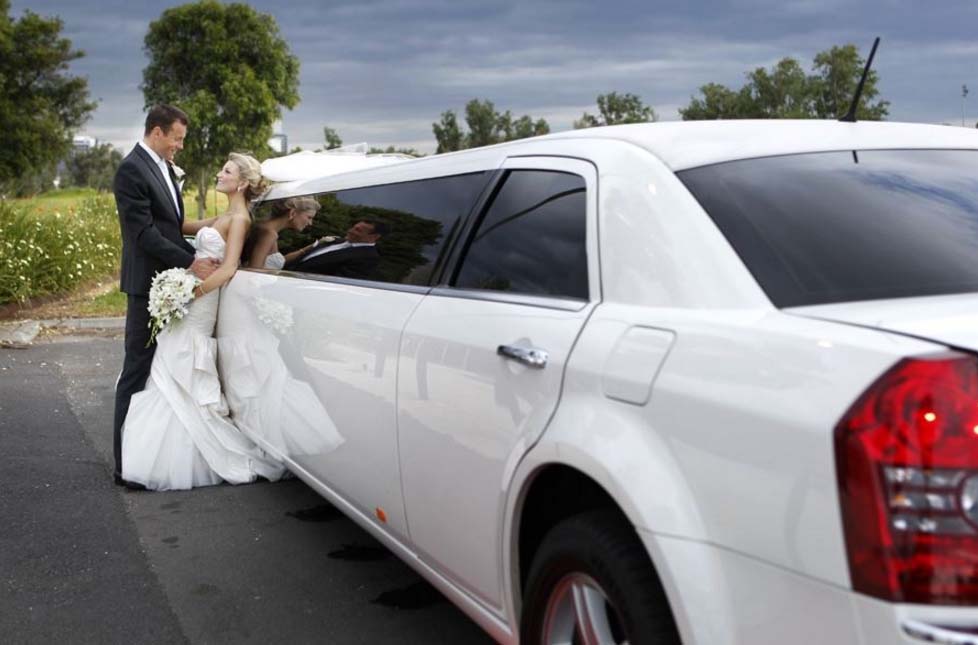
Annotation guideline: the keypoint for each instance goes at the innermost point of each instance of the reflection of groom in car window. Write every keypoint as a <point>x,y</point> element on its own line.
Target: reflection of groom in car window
<point>355,256</point>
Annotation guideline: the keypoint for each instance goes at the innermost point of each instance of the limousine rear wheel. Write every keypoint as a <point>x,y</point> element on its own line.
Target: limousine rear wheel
<point>592,582</point>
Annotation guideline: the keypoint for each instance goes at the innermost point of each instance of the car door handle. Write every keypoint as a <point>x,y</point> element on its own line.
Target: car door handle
<point>527,355</point>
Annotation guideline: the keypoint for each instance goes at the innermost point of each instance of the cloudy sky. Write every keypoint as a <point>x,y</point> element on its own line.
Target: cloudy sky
<point>382,71</point>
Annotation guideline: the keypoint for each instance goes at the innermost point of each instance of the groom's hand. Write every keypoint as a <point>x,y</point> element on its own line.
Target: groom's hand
<point>203,267</point>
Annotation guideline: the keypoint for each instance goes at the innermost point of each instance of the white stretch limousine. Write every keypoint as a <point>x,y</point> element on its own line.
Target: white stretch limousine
<point>706,382</point>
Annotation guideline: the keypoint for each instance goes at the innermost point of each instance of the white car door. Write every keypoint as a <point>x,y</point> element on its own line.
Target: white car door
<point>482,361</point>
<point>312,359</point>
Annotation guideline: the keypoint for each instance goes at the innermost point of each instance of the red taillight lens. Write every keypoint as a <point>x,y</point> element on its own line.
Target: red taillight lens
<point>907,460</point>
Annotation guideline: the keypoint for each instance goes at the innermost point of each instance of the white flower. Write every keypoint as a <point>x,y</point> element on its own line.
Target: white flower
<point>179,173</point>
<point>275,315</point>
<point>169,294</point>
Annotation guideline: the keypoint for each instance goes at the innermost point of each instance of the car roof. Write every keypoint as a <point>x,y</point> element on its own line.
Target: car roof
<point>689,144</point>
<point>680,145</point>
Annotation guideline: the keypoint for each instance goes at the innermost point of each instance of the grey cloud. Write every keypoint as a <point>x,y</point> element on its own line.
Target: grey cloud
<point>384,70</point>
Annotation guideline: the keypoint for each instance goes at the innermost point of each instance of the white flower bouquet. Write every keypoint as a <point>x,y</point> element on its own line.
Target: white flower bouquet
<point>169,294</point>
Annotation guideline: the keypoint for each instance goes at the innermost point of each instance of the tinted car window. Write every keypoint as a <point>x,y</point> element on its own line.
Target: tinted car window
<point>531,239</point>
<point>846,226</point>
<point>422,216</point>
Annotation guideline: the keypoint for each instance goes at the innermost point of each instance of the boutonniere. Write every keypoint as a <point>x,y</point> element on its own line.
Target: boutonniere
<point>179,173</point>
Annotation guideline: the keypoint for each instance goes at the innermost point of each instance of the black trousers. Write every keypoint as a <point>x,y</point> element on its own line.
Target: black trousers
<point>135,367</point>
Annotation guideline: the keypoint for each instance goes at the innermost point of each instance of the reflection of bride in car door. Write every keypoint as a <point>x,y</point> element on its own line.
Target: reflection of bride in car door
<point>266,399</point>
<point>296,213</point>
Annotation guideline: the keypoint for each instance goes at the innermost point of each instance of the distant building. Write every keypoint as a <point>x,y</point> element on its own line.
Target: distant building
<point>279,143</point>
<point>81,143</point>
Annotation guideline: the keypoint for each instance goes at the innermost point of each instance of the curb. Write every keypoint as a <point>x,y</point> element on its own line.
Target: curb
<point>84,323</point>
<point>21,334</point>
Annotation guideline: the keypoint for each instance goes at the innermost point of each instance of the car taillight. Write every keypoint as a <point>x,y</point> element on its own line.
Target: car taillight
<point>907,462</point>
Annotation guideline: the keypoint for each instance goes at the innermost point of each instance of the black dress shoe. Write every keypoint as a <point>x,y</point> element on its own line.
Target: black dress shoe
<point>119,481</point>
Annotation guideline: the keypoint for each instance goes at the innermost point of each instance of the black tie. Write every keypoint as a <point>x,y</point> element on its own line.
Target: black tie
<point>176,187</point>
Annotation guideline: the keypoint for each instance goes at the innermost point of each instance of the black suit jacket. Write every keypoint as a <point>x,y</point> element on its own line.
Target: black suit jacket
<point>151,237</point>
<point>354,262</point>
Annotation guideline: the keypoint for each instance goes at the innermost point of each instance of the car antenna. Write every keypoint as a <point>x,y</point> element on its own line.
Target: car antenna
<point>851,114</point>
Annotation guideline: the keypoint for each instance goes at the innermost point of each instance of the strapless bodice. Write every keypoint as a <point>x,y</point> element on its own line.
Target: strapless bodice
<point>209,243</point>
<point>275,261</point>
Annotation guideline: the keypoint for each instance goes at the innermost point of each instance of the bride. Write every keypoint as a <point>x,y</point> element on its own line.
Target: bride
<point>177,434</point>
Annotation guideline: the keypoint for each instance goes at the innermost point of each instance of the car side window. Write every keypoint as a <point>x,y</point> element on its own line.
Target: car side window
<point>418,218</point>
<point>531,239</point>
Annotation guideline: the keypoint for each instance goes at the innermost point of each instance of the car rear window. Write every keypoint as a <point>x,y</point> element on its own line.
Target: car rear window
<point>846,226</point>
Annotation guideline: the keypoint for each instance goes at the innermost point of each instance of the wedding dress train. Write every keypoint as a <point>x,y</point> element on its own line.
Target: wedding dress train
<point>177,434</point>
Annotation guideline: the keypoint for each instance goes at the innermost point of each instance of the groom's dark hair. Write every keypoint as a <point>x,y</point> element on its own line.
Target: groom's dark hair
<point>164,116</point>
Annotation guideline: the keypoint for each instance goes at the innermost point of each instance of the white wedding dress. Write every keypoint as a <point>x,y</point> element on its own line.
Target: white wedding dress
<point>177,434</point>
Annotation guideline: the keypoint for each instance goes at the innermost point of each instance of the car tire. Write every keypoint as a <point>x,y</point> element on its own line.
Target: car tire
<point>591,570</point>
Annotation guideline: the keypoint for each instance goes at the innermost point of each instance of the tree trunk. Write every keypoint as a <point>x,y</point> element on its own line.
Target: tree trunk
<point>202,194</point>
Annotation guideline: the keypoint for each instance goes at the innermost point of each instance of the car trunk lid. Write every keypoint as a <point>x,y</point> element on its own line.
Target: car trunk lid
<point>951,320</point>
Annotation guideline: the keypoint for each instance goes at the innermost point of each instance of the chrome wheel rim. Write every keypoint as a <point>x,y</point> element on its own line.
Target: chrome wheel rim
<point>578,612</point>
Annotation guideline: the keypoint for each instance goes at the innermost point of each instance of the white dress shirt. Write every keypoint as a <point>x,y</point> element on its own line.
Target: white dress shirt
<point>336,246</point>
<point>165,169</point>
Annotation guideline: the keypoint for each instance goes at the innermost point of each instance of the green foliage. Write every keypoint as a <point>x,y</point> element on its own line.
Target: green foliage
<point>45,252</point>
<point>40,104</point>
<point>34,182</point>
<point>332,138</point>
<point>837,73</point>
<point>787,92</point>
<point>227,66</point>
<point>448,133</point>
<point>783,93</point>
<point>374,150</point>
<point>93,168</point>
<point>616,109</point>
<point>486,127</point>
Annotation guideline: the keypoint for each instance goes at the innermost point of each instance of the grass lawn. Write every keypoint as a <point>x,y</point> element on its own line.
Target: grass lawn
<point>102,305</point>
<point>56,201</point>
<point>66,201</point>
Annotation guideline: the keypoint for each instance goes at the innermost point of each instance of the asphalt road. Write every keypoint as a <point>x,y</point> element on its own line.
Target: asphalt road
<point>83,561</point>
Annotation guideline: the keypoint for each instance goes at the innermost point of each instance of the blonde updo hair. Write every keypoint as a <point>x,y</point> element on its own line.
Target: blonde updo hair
<point>250,171</point>
<point>298,204</point>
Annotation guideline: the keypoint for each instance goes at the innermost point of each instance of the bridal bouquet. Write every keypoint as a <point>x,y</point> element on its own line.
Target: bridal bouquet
<point>169,294</point>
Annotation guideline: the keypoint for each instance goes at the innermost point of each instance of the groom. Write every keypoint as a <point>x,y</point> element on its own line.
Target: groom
<point>150,215</point>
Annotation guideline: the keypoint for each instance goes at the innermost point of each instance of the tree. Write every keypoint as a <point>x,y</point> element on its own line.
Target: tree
<point>227,66</point>
<point>616,109</point>
<point>521,128</point>
<point>486,127</point>
<point>448,133</point>
<point>483,121</point>
<point>94,167</point>
<point>787,92</point>
<point>837,73</point>
<point>333,139</point>
<point>783,93</point>
<point>718,102</point>
<point>41,105</point>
